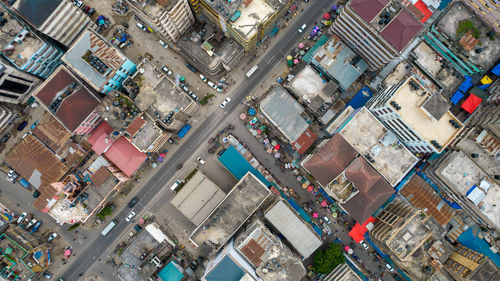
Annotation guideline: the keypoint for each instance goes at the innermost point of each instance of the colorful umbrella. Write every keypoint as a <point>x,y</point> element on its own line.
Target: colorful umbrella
<point>310,188</point>
<point>295,61</point>
<point>277,146</point>
<point>315,215</point>
<point>289,57</point>
<point>252,111</point>
<point>289,62</point>
<point>324,203</point>
<point>277,155</point>
<point>326,16</point>
<point>304,185</point>
<point>259,131</point>
<point>141,221</point>
<point>313,33</point>
<point>67,253</point>
<point>302,52</point>
<point>274,143</point>
<point>334,7</point>
<point>301,45</point>
<point>182,78</point>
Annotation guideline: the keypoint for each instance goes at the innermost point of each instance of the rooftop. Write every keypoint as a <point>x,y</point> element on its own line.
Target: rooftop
<point>343,272</point>
<point>39,166</point>
<point>155,9</point>
<point>118,110</point>
<point>26,44</point>
<point>125,156</point>
<point>146,132</point>
<point>94,59</point>
<point>421,195</point>
<point>408,237</point>
<point>307,84</point>
<point>300,235</point>
<point>371,190</point>
<point>448,25</point>
<point>101,138</point>
<point>401,30</point>
<point>330,159</point>
<point>284,112</point>
<point>419,116</point>
<point>52,133</point>
<point>368,9</point>
<point>302,144</point>
<point>198,198</point>
<point>62,93</point>
<point>36,12</point>
<point>460,173</point>
<point>340,62</point>
<point>238,205</point>
<point>370,137</point>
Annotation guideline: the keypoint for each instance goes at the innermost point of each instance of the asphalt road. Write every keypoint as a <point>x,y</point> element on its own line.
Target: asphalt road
<point>198,136</point>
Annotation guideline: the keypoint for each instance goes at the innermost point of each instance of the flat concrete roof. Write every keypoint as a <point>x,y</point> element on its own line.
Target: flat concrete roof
<point>239,204</point>
<point>297,232</point>
<point>409,237</point>
<point>258,11</point>
<point>197,198</point>
<point>420,120</point>
<point>460,173</point>
<point>368,135</point>
<point>308,83</point>
<point>147,135</point>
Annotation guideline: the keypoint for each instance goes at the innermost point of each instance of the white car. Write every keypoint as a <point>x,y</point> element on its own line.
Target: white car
<point>130,216</point>
<point>166,70</point>
<point>163,44</point>
<point>389,266</point>
<point>52,237</point>
<point>363,243</point>
<point>21,218</point>
<point>199,159</point>
<point>225,102</point>
<point>211,84</point>
<point>203,78</point>
<point>327,220</point>
<point>302,28</point>
<point>219,90</point>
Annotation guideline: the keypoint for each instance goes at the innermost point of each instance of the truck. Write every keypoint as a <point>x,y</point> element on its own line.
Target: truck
<point>252,70</point>
<point>109,227</point>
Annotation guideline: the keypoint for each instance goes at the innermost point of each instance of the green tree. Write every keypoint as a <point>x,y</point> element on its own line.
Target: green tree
<point>326,260</point>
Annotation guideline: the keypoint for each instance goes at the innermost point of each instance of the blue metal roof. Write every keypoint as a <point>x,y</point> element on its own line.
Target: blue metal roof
<point>238,166</point>
<point>225,270</point>
<point>170,273</point>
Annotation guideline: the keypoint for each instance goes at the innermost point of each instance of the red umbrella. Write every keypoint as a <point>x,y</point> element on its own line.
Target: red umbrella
<point>326,16</point>
<point>315,215</point>
<point>324,203</point>
<point>259,131</point>
<point>277,146</point>
<point>67,252</point>
<point>141,221</point>
<point>310,188</point>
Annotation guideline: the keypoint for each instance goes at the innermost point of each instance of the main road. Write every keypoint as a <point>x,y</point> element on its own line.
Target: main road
<point>199,135</point>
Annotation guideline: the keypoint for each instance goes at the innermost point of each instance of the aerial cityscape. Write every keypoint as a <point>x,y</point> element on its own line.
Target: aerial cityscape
<point>250,140</point>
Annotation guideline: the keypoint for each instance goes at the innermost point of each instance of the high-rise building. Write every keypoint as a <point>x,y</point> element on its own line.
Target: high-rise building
<point>421,119</point>
<point>248,22</point>
<point>171,17</point>
<point>378,30</point>
<point>15,85</point>
<point>25,49</point>
<point>58,19</point>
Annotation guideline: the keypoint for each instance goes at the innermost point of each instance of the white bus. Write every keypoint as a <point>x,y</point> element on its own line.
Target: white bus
<point>252,70</point>
<point>109,227</point>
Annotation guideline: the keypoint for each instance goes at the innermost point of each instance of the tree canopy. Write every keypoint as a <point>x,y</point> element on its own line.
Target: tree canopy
<point>326,260</point>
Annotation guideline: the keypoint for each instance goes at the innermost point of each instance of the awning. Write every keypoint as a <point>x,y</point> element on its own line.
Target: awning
<point>420,5</point>
<point>471,103</point>
<point>457,96</point>
<point>486,80</point>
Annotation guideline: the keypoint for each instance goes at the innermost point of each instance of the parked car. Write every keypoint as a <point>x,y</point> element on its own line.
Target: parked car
<point>193,96</point>
<point>22,125</point>
<point>137,227</point>
<point>36,194</point>
<point>200,160</point>
<point>327,220</point>
<point>225,102</point>
<point>219,90</point>
<point>389,266</point>
<point>166,70</point>
<point>211,84</point>
<point>203,78</point>
<point>192,68</point>
<point>184,88</point>
<point>302,28</point>
<point>91,12</point>
<point>36,227</point>
<point>130,216</point>
<point>133,202</point>
<point>21,218</point>
<point>12,176</point>
<point>31,223</point>
<point>78,3</point>
<point>47,275</point>
<point>141,26</point>
<point>163,44</point>
<point>397,277</point>
<point>5,137</point>
<point>52,237</point>
<point>363,243</point>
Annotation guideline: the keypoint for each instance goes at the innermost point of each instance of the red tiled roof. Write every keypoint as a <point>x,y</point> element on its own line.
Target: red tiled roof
<point>368,9</point>
<point>420,5</point>
<point>135,125</point>
<point>125,156</point>
<point>304,141</point>
<point>373,190</point>
<point>75,108</point>
<point>100,139</point>
<point>401,30</point>
<point>330,160</point>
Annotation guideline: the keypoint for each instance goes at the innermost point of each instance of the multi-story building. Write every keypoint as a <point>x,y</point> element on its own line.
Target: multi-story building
<point>343,272</point>
<point>15,84</point>
<point>420,119</point>
<point>5,115</point>
<point>58,19</point>
<point>25,49</point>
<point>466,264</point>
<point>378,30</point>
<point>171,17</point>
<point>489,11</point>
<point>69,101</point>
<point>98,62</point>
<point>248,22</point>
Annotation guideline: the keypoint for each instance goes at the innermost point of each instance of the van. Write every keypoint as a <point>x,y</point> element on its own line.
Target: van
<point>176,185</point>
<point>211,84</point>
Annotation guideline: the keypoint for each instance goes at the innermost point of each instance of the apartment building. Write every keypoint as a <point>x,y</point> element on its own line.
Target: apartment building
<point>378,30</point>
<point>15,85</point>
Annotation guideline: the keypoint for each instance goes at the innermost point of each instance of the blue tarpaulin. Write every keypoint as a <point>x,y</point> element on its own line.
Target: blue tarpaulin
<point>123,38</point>
<point>484,87</point>
<point>361,98</point>
<point>466,84</point>
<point>457,96</point>
<point>496,70</point>
<point>183,131</point>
